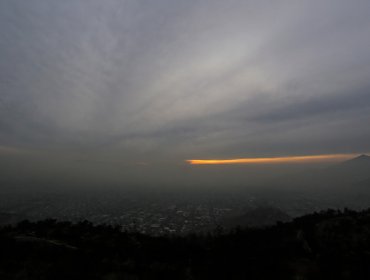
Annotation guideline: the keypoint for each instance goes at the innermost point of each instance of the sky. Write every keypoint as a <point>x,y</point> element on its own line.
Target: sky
<point>138,85</point>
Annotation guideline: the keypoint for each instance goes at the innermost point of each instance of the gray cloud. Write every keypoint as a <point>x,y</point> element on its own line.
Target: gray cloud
<point>170,80</point>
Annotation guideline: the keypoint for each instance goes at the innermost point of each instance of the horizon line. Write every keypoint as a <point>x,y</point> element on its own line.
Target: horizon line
<point>273,160</point>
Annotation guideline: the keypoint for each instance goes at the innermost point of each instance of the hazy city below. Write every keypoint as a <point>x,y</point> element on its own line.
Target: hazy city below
<point>157,211</point>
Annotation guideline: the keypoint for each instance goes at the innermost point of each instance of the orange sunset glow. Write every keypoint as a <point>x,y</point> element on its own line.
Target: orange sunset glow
<point>273,160</point>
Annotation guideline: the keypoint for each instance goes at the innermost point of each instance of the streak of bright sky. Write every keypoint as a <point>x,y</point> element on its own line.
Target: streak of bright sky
<point>274,160</point>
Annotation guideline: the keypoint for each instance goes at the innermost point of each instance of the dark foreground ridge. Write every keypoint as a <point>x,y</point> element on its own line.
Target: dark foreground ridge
<point>327,245</point>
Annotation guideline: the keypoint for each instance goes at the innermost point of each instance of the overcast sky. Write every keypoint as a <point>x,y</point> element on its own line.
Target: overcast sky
<point>149,82</point>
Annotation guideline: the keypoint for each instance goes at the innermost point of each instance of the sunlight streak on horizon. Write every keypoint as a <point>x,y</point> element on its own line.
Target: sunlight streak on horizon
<point>273,160</point>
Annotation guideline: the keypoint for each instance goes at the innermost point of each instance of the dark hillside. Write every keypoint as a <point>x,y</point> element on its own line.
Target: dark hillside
<point>326,245</point>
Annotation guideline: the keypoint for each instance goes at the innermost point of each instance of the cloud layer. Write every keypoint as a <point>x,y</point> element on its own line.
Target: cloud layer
<point>163,81</point>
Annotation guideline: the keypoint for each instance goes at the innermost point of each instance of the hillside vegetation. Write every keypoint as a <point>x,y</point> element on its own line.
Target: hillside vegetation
<point>326,245</point>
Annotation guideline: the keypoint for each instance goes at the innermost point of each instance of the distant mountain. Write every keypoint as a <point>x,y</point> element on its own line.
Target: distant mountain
<point>343,175</point>
<point>349,172</point>
<point>362,159</point>
<point>360,164</point>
